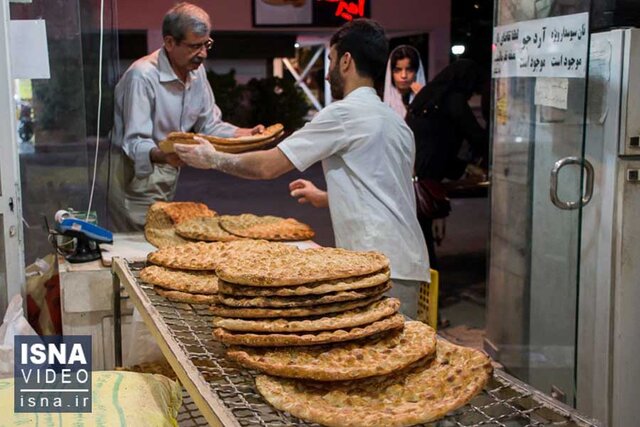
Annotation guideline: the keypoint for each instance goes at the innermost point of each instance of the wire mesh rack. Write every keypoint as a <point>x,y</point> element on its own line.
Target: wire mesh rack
<point>221,392</point>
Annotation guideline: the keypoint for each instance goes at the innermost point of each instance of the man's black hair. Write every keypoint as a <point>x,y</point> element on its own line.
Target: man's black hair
<point>367,43</point>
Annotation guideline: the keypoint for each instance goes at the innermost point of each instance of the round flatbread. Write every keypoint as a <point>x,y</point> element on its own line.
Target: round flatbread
<point>241,148</point>
<point>178,296</point>
<point>182,211</point>
<point>304,301</point>
<point>394,322</point>
<point>269,132</point>
<point>318,288</point>
<point>190,256</point>
<point>163,237</point>
<point>411,396</point>
<point>158,228</point>
<point>252,313</point>
<point>198,282</point>
<point>305,266</point>
<point>266,227</point>
<point>204,228</point>
<point>206,256</point>
<point>380,355</point>
<point>348,319</point>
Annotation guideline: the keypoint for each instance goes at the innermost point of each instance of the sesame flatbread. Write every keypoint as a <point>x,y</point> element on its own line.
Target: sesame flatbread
<point>181,211</point>
<point>394,322</point>
<point>190,256</point>
<point>412,396</point>
<point>207,255</point>
<point>168,145</point>
<point>347,319</point>
<point>241,148</point>
<point>317,288</point>
<point>252,313</point>
<point>268,133</point>
<point>158,228</point>
<point>198,282</point>
<point>266,227</point>
<point>204,228</point>
<point>303,301</point>
<point>302,267</point>
<point>189,298</point>
<point>379,355</point>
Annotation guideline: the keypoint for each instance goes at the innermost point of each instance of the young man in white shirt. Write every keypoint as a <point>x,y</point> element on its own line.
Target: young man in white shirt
<point>367,153</point>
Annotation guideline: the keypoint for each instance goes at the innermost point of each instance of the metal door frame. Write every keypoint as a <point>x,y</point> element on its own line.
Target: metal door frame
<point>11,238</point>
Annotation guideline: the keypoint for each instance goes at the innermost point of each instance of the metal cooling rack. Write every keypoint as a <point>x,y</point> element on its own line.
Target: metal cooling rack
<point>225,393</point>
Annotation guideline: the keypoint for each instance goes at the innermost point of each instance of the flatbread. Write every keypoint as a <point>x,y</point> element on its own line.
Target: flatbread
<point>252,313</point>
<point>303,301</point>
<point>266,227</point>
<point>241,148</point>
<point>158,228</point>
<point>394,322</point>
<point>318,288</point>
<point>163,237</point>
<point>168,145</point>
<point>204,228</point>
<point>198,282</point>
<point>182,211</point>
<point>190,256</point>
<point>380,355</point>
<point>229,145</point>
<point>412,396</point>
<point>347,319</point>
<point>269,132</point>
<point>178,296</point>
<point>306,266</point>
<point>207,255</point>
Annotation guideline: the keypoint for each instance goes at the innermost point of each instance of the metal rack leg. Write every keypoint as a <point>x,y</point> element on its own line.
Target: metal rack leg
<point>117,322</point>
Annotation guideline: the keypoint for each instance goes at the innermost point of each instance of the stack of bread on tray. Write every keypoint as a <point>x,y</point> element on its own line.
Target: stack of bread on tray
<point>331,347</point>
<point>174,223</point>
<point>228,145</point>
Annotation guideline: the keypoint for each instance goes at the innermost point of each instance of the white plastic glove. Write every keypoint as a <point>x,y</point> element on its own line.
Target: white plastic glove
<point>201,156</point>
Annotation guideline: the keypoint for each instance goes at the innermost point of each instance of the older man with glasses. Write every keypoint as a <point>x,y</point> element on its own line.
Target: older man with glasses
<point>160,93</point>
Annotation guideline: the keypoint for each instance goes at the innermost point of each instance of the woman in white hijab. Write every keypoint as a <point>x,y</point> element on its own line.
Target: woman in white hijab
<point>404,78</point>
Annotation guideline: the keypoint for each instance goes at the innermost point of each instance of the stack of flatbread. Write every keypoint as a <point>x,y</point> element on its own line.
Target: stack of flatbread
<point>333,348</point>
<point>162,217</point>
<point>186,273</point>
<point>228,145</point>
<point>303,297</point>
<point>232,227</point>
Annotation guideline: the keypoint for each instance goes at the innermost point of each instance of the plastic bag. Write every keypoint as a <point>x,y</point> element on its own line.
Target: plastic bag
<point>142,346</point>
<point>43,296</point>
<point>14,323</point>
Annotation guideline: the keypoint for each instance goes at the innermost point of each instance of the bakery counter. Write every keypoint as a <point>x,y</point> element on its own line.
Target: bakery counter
<point>225,393</point>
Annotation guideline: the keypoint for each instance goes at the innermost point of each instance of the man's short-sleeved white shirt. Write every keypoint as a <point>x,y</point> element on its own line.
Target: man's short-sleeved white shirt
<point>367,154</point>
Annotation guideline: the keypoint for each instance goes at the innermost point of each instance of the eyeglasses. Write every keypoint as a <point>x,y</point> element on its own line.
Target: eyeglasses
<point>196,47</point>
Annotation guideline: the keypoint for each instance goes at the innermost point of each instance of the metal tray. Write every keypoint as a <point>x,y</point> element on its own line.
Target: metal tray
<point>225,393</point>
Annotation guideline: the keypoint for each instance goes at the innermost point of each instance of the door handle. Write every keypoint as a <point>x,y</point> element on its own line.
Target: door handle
<point>588,190</point>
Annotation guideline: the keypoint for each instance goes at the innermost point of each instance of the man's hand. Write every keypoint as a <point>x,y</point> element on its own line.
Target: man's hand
<point>416,87</point>
<point>306,192</point>
<point>201,156</point>
<point>249,131</point>
<point>158,156</point>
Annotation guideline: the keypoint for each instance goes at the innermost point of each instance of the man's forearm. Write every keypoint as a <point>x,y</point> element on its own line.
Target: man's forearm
<point>267,164</point>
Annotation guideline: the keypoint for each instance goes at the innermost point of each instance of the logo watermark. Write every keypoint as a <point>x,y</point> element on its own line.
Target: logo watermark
<point>52,374</point>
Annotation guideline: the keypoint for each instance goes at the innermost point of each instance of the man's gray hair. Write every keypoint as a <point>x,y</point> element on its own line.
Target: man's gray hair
<point>185,17</point>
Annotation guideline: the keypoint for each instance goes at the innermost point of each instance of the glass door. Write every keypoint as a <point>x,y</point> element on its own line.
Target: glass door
<point>11,247</point>
<point>540,181</point>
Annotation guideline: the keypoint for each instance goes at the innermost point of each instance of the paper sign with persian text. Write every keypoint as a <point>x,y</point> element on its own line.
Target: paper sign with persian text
<point>550,47</point>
